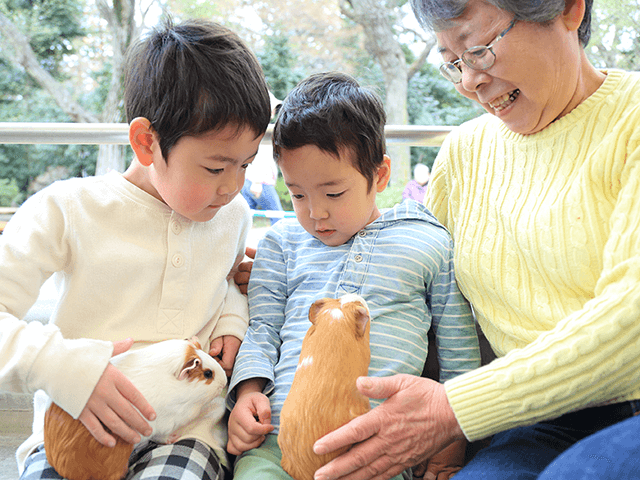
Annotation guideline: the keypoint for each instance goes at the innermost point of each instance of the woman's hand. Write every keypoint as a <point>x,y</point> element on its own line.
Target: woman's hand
<point>112,403</point>
<point>412,425</point>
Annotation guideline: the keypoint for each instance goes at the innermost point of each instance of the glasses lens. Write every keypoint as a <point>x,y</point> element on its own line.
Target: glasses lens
<point>451,72</point>
<point>479,58</point>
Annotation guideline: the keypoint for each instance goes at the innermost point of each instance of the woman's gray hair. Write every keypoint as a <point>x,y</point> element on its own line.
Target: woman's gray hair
<point>437,15</point>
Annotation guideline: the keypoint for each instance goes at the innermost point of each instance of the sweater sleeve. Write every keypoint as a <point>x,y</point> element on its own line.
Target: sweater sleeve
<point>34,356</point>
<point>234,317</point>
<point>589,358</point>
<point>267,293</point>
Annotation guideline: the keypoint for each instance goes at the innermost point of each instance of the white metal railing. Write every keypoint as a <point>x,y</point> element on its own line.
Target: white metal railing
<point>118,133</point>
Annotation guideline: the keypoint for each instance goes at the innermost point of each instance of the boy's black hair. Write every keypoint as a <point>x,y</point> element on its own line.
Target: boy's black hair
<point>333,112</point>
<point>194,77</point>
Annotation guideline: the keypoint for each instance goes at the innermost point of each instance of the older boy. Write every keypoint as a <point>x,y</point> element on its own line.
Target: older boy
<point>145,254</point>
<point>329,144</point>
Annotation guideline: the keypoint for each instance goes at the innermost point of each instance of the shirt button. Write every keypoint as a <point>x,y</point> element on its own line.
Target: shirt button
<point>176,227</point>
<point>362,233</point>
<point>177,260</point>
<point>358,258</point>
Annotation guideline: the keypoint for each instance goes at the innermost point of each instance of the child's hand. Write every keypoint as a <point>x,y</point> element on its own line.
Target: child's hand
<point>244,271</point>
<point>444,465</point>
<point>112,403</point>
<point>224,349</point>
<point>249,423</point>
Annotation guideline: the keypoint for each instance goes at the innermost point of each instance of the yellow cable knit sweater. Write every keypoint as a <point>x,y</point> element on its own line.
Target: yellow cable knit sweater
<point>547,250</point>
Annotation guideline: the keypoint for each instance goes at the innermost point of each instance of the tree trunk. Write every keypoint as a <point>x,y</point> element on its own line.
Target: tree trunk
<point>121,21</point>
<point>120,16</point>
<point>22,55</point>
<point>381,43</point>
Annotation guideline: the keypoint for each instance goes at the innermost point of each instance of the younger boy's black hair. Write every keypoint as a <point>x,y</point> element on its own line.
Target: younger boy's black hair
<point>333,112</point>
<point>194,77</point>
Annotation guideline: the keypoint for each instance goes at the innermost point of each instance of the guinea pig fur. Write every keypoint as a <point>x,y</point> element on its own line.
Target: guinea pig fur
<point>179,380</point>
<point>323,396</point>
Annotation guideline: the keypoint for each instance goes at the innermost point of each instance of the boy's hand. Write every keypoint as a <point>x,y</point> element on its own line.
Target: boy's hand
<point>224,349</point>
<point>112,403</point>
<point>249,422</point>
<point>244,271</point>
<point>444,465</point>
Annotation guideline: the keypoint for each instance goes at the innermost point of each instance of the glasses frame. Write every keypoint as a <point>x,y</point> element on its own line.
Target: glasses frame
<point>452,71</point>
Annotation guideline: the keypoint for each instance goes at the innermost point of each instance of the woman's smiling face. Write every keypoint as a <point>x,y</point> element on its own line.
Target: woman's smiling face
<point>535,76</point>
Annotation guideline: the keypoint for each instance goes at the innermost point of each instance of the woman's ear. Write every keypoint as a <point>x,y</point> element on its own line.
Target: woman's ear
<point>141,140</point>
<point>384,174</point>
<point>573,14</point>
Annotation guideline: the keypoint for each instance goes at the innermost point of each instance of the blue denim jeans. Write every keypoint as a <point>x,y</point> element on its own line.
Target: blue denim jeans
<point>566,448</point>
<point>611,454</point>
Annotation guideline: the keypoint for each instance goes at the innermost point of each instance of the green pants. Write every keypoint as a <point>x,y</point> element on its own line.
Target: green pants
<point>264,463</point>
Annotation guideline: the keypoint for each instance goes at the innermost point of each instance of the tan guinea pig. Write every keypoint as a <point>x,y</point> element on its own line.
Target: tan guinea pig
<point>176,377</point>
<point>323,396</point>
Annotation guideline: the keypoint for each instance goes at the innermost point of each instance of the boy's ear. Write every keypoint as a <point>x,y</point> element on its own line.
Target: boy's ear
<point>141,140</point>
<point>384,174</point>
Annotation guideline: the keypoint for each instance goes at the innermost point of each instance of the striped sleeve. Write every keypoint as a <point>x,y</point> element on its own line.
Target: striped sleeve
<point>453,324</point>
<point>260,348</point>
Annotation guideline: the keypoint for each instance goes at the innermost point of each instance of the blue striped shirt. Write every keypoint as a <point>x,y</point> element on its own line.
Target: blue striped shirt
<point>401,264</point>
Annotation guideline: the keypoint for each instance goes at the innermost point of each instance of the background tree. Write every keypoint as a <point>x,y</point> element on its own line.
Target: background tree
<point>61,61</point>
<point>37,34</point>
<point>615,39</point>
<point>22,96</point>
<point>279,65</point>
<point>381,24</point>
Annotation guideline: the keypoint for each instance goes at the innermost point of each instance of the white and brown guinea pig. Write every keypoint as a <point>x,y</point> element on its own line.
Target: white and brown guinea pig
<point>176,377</point>
<point>323,396</point>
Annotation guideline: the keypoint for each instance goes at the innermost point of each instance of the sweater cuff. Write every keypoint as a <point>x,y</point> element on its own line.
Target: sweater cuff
<point>68,370</point>
<point>230,324</point>
<point>234,318</point>
<point>479,404</point>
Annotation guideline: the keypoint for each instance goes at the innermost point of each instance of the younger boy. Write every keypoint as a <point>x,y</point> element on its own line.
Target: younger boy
<point>329,145</point>
<point>145,254</point>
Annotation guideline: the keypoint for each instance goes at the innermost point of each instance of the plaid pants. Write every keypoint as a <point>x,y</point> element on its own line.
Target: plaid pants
<point>187,459</point>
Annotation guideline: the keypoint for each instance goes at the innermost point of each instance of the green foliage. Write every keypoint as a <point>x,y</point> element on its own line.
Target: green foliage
<point>283,193</point>
<point>432,100</point>
<point>51,25</point>
<point>279,65</point>
<point>22,101</point>
<point>9,193</point>
<point>615,35</point>
<point>390,196</point>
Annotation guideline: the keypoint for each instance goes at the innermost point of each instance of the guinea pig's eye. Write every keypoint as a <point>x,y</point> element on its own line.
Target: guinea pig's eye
<point>208,374</point>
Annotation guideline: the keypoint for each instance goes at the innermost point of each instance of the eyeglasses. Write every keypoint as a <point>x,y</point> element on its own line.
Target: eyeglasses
<point>476,58</point>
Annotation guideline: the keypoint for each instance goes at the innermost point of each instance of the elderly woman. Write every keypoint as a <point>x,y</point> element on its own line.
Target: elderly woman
<point>542,196</point>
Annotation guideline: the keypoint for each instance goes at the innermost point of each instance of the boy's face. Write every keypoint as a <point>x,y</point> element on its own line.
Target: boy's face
<point>203,173</point>
<point>330,197</point>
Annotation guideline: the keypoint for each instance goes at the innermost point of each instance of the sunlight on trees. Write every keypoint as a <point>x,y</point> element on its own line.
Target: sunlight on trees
<point>61,61</point>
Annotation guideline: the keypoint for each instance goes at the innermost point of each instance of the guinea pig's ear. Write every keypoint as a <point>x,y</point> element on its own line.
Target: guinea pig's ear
<point>189,367</point>
<point>362,318</point>
<point>315,309</point>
